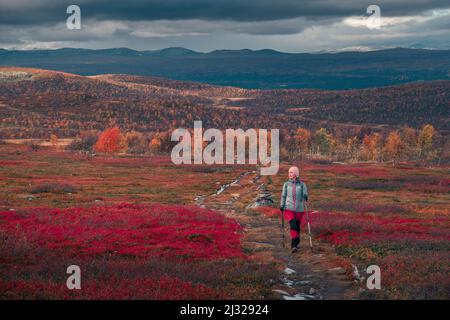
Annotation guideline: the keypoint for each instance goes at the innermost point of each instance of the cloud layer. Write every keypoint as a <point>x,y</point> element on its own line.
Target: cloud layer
<point>287,25</point>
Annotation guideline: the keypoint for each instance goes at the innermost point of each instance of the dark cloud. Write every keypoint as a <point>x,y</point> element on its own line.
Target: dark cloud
<point>286,25</point>
<point>47,11</point>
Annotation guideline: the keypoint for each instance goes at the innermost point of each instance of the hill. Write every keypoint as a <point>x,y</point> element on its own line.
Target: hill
<point>35,103</point>
<point>251,69</point>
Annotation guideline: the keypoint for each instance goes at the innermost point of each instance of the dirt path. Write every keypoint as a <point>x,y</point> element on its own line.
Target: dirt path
<point>305,275</point>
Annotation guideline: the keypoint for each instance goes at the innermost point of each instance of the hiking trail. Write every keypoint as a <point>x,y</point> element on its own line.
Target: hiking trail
<point>306,275</point>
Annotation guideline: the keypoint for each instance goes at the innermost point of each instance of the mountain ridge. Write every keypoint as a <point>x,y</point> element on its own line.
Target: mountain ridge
<point>250,69</point>
<point>187,50</point>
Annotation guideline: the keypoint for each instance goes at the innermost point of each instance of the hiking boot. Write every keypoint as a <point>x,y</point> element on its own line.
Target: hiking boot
<point>294,249</point>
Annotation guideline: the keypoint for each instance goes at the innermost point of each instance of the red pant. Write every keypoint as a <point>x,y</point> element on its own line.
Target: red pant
<point>295,219</point>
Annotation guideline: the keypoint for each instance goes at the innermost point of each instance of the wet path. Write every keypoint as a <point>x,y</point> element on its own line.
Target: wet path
<point>304,275</point>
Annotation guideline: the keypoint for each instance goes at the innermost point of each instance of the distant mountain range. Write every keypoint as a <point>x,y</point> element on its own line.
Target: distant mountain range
<point>252,69</point>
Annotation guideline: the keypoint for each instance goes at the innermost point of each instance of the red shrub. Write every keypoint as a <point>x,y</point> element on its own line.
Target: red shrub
<point>164,288</point>
<point>125,252</point>
<point>110,141</point>
<point>411,252</point>
<point>126,229</point>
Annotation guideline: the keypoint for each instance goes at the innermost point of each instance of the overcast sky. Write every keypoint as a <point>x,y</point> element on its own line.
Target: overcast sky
<point>206,25</point>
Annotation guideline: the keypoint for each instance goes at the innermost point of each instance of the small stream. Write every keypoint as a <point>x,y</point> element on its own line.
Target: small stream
<point>235,182</point>
<point>199,200</point>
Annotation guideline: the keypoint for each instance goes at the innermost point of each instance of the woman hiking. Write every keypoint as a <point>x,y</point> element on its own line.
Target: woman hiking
<point>292,197</point>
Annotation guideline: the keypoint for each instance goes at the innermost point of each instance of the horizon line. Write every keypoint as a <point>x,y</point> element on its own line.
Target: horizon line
<point>343,50</point>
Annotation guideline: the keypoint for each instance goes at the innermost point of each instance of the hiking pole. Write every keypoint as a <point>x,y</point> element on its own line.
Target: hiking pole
<point>309,227</point>
<point>282,226</point>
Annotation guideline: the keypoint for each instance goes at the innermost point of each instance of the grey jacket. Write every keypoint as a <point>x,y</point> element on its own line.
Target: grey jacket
<point>294,201</point>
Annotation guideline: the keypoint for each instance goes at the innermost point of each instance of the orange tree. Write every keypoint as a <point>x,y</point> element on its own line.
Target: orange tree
<point>110,141</point>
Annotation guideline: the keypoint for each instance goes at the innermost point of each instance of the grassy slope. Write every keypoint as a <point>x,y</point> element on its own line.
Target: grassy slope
<point>350,197</point>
